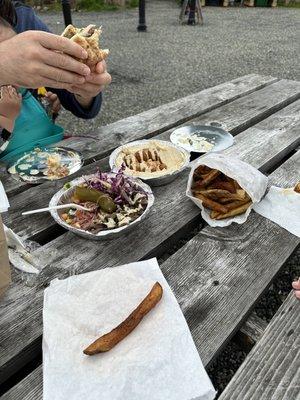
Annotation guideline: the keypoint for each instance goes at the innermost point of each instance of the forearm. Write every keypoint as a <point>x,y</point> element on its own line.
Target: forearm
<point>4,65</point>
<point>85,102</point>
<point>70,103</point>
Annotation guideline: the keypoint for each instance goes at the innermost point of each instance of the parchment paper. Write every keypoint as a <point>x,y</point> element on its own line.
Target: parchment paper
<point>249,178</point>
<point>281,206</point>
<point>4,204</point>
<point>157,361</point>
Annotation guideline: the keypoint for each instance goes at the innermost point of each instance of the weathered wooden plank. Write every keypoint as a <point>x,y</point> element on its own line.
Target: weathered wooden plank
<point>234,117</point>
<point>243,259</point>
<point>251,331</point>
<point>30,388</point>
<point>217,277</point>
<point>167,116</point>
<point>20,309</point>
<point>158,119</point>
<point>271,370</point>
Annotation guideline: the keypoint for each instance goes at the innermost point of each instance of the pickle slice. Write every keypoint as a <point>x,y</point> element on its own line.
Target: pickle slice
<point>104,201</point>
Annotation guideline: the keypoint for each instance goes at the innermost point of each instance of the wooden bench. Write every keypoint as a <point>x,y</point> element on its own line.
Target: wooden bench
<point>272,369</point>
<point>218,275</point>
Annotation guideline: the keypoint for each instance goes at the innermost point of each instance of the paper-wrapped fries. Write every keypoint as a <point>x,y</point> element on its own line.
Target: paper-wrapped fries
<point>221,194</point>
<point>225,188</point>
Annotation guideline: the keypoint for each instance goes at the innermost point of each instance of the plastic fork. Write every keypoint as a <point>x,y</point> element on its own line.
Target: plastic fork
<point>58,207</point>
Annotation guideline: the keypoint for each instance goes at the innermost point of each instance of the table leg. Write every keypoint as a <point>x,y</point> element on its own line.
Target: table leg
<point>182,12</point>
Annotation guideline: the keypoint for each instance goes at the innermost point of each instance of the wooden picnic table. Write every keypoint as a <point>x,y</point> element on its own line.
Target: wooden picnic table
<point>217,274</point>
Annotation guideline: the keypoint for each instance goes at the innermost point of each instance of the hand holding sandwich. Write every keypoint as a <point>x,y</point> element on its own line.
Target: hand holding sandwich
<point>94,84</point>
<point>89,39</point>
<point>33,59</point>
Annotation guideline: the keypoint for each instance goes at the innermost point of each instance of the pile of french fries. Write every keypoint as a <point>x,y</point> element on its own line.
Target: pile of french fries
<point>219,193</point>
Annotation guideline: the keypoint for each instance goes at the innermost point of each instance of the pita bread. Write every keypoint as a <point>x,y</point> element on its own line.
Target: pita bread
<point>88,38</point>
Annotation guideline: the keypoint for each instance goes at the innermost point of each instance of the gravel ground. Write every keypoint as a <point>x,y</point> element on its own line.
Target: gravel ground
<point>281,287</point>
<point>228,362</point>
<point>171,61</point>
<point>226,365</point>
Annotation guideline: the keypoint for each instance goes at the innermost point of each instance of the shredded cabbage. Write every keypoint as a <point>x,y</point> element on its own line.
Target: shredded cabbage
<point>121,188</point>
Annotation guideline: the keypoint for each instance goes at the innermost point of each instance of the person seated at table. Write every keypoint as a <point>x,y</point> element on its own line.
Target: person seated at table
<point>296,287</point>
<point>10,109</point>
<point>24,122</point>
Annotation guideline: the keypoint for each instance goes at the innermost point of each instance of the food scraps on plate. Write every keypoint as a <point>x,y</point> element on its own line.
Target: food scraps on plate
<point>198,142</point>
<point>49,163</point>
<point>201,138</point>
<point>219,193</point>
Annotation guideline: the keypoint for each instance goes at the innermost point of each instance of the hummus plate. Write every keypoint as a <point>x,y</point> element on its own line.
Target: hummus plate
<point>157,162</point>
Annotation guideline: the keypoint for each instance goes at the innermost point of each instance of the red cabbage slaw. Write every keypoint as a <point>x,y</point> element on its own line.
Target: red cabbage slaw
<point>121,188</point>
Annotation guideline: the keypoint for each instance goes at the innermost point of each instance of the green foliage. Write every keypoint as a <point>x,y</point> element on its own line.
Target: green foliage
<point>133,3</point>
<point>292,4</point>
<point>95,5</point>
<point>100,5</point>
<point>85,5</point>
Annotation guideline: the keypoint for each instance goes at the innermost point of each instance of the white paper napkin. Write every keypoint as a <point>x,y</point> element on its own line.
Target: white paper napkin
<point>4,204</point>
<point>281,206</point>
<point>157,361</point>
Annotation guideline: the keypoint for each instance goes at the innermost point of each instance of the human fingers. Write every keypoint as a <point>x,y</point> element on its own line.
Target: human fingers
<point>58,43</point>
<point>17,96</point>
<point>30,70</point>
<point>9,92</point>
<point>63,61</point>
<point>13,93</point>
<point>5,92</point>
<point>44,81</point>
<point>99,79</point>
<point>296,285</point>
<point>100,67</point>
<point>55,102</point>
<point>51,96</point>
<point>58,75</point>
<point>87,90</point>
<point>56,106</point>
